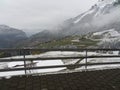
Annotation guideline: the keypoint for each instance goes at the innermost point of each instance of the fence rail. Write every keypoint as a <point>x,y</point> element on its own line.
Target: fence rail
<point>55,58</point>
<point>86,56</point>
<point>67,49</point>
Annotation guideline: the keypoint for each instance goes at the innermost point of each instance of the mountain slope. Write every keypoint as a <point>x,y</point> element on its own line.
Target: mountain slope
<point>107,38</point>
<point>10,36</point>
<point>102,16</point>
<point>101,39</point>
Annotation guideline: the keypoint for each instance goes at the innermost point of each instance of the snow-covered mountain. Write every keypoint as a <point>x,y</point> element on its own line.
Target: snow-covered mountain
<point>106,34</point>
<point>103,7</point>
<point>10,36</point>
<point>104,15</point>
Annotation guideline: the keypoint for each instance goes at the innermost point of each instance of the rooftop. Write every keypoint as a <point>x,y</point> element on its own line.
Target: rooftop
<point>108,79</point>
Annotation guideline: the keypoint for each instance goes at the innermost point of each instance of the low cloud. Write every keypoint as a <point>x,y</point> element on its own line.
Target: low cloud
<point>113,16</point>
<point>34,14</point>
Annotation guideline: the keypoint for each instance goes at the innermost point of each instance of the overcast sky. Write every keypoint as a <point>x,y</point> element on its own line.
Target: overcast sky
<point>40,13</point>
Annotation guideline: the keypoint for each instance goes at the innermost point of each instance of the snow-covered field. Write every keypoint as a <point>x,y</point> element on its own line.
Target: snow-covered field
<point>58,62</point>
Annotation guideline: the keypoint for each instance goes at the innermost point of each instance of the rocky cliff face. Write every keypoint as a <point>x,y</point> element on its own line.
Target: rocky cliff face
<point>10,36</point>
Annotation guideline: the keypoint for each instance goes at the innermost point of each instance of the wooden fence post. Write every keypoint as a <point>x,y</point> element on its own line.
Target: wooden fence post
<point>24,61</point>
<point>86,61</point>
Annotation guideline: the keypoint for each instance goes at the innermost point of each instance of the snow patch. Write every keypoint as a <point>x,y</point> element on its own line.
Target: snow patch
<point>60,62</point>
<point>103,3</point>
<point>111,32</point>
<point>89,12</point>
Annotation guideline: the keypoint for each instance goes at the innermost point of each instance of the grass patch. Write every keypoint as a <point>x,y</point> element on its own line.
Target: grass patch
<point>83,42</point>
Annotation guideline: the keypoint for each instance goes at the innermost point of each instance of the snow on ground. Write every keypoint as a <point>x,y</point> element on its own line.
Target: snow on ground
<point>98,67</point>
<point>87,13</point>
<point>39,63</point>
<point>101,4</point>
<point>111,32</point>
<point>3,65</point>
<point>110,35</point>
<point>59,62</point>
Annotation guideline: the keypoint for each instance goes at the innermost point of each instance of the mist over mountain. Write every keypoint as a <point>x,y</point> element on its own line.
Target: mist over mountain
<point>10,36</point>
<point>104,15</point>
